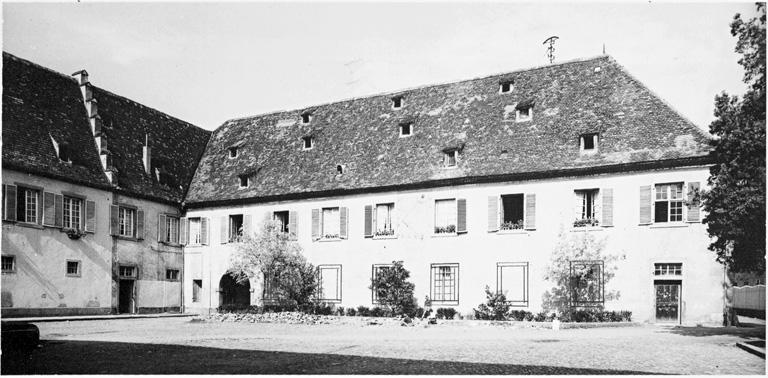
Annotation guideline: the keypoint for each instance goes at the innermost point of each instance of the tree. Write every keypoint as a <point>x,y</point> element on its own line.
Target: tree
<point>272,256</point>
<point>582,246</point>
<point>393,289</point>
<point>735,203</point>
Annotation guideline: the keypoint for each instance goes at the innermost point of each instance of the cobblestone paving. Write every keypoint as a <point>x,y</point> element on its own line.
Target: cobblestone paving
<point>180,346</point>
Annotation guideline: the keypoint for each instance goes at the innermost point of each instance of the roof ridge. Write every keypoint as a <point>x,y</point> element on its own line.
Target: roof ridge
<point>31,63</point>
<point>433,85</point>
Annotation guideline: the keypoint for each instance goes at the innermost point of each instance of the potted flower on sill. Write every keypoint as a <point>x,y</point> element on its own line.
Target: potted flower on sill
<point>512,225</point>
<point>592,222</point>
<point>449,229</point>
<point>386,232</point>
<point>331,236</point>
<point>74,233</point>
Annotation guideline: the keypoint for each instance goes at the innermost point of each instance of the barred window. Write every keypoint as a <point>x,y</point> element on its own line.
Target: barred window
<point>73,268</point>
<point>172,274</point>
<point>128,271</point>
<point>8,264</point>
<point>445,283</point>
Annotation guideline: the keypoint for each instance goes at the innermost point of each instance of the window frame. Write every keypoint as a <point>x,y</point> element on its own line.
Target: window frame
<point>454,301</point>
<point>121,211</point>
<point>306,118</point>
<point>510,86</point>
<point>398,102</point>
<point>502,216</point>
<point>391,214</point>
<point>285,225</point>
<point>169,218</point>
<point>199,234</point>
<point>524,118</point>
<point>676,271</point>
<point>133,268</point>
<point>233,152</point>
<point>79,268</point>
<point>526,282</point>
<point>668,201</point>
<point>81,223</point>
<point>197,290</point>
<point>595,143</point>
<point>447,155</point>
<point>13,264</point>
<point>304,141</point>
<point>172,278</point>
<point>21,203</point>
<point>323,234</point>
<point>243,178</point>
<point>235,235</point>
<point>402,127</point>
<point>339,284</point>
<point>581,218</point>
<point>455,212</point>
<point>374,272</point>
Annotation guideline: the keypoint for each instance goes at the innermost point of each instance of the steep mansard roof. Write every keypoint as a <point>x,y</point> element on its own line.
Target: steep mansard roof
<point>569,99</point>
<point>38,102</point>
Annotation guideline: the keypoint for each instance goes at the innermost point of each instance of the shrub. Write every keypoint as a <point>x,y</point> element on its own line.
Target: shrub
<point>393,289</point>
<point>494,308</point>
<point>363,311</point>
<point>351,311</point>
<point>381,312</point>
<point>519,315</point>
<point>340,311</point>
<point>540,317</point>
<point>446,313</point>
<point>596,315</point>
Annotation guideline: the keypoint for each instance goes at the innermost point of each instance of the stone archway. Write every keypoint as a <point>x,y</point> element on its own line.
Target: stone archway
<point>233,293</point>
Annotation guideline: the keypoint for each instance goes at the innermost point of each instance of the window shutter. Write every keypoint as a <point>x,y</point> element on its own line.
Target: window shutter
<point>645,204</point>
<point>3,201</point>
<point>293,225</point>
<point>59,210</point>
<point>607,220</point>
<point>315,224</point>
<point>368,219</point>
<point>247,221</point>
<point>461,215</point>
<point>10,202</point>
<point>183,230</point>
<point>204,231</point>
<point>343,222</point>
<point>223,230</point>
<point>693,213</point>
<point>114,222</point>
<point>49,209</point>
<point>493,213</point>
<point>162,228</point>
<point>530,211</point>
<point>90,216</point>
<point>139,224</point>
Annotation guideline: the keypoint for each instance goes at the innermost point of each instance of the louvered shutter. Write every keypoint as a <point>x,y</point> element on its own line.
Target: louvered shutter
<point>247,225</point>
<point>183,230</point>
<point>90,216</point>
<point>493,213</point>
<point>315,224</point>
<point>114,221</point>
<point>10,202</point>
<point>49,209</point>
<point>223,230</point>
<point>645,204</point>
<point>368,219</point>
<point>607,220</point>
<point>139,224</point>
<point>694,212</point>
<point>59,210</point>
<point>293,225</point>
<point>3,200</point>
<point>205,233</point>
<point>530,211</point>
<point>461,215</point>
<point>162,228</point>
<point>343,222</point>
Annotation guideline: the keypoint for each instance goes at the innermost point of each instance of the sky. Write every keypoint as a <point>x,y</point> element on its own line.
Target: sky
<point>206,63</point>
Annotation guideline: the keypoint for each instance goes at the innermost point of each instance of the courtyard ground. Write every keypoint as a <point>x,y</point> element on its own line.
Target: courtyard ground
<point>186,346</point>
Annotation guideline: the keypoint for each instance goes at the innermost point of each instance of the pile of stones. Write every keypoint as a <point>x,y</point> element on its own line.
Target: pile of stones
<point>271,317</point>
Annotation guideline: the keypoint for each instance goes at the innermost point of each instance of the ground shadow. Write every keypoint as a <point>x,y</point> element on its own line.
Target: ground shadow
<point>95,357</point>
<point>743,332</point>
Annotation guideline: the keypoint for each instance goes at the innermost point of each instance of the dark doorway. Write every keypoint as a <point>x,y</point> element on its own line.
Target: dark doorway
<point>668,294</point>
<point>234,294</point>
<point>126,297</point>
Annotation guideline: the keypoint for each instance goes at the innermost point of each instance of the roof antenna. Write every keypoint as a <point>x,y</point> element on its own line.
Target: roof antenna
<point>551,49</point>
<point>603,48</point>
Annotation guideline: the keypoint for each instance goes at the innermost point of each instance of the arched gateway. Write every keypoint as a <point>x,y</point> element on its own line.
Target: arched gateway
<point>233,293</point>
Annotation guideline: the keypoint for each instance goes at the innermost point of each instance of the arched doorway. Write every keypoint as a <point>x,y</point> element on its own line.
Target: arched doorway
<point>233,293</point>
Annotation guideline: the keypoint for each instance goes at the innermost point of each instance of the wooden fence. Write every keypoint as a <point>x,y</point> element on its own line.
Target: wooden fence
<point>749,297</point>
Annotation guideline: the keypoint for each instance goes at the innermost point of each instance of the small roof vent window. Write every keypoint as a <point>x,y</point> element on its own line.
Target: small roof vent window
<point>588,143</point>
<point>524,111</point>
<point>397,102</point>
<point>306,118</point>
<point>232,152</point>
<point>243,181</point>
<point>308,142</point>
<point>406,129</point>
<point>506,86</point>
<point>450,158</point>
<point>340,169</point>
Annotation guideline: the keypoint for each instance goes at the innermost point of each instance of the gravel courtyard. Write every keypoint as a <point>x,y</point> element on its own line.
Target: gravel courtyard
<point>183,346</point>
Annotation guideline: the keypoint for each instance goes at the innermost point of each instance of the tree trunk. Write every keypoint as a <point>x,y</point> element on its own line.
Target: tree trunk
<point>729,313</point>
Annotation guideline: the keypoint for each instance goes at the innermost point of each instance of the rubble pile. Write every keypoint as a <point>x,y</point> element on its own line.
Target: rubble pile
<point>272,317</point>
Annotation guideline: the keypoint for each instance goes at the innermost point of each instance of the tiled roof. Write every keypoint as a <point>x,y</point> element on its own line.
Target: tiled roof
<point>39,104</point>
<point>362,134</point>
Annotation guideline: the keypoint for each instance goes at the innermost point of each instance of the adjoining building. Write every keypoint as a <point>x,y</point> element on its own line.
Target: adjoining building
<point>471,184</point>
<point>92,190</point>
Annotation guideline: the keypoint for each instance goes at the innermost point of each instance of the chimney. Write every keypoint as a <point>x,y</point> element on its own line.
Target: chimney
<point>92,106</point>
<point>81,76</point>
<point>147,155</point>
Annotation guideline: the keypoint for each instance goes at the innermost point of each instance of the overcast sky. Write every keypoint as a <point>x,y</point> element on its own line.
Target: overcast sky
<point>209,62</point>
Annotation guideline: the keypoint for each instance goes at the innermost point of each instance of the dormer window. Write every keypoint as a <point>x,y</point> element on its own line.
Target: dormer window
<point>523,114</point>
<point>450,158</point>
<point>62,150</point>
<point>243,181</point>
<point>397,102</point>
<point>306,118</point>
<point>506,86</point>
<point>340,169</point>
<point>232,152</point>
<point>588,143</point>
<point>406,129</point>
<point>309,142</point>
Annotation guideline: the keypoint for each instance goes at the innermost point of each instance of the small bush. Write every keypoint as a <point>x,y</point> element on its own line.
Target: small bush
<point>540,317</point>
<point>519,315</point>
<point>394,290</point>
<point>340,311</point>
<point>494,308</point>
<point>381,312</point>
<point>596,315</point>
<point>363,311</point>
<point>446,313</point>
<point>351,311</point>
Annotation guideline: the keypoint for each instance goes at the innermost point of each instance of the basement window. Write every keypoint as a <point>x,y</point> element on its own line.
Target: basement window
<point>309,142</point>
<point>243,181</point>
<point>306,118</point>
<point>506,86</point>
<point>397,102</point>
<point>232,152</point>
<point>588,143</point>
<point>405,129</point>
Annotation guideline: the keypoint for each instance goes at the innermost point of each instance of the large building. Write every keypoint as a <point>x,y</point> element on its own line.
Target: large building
<point>92,190</point>
<point>471,184</point>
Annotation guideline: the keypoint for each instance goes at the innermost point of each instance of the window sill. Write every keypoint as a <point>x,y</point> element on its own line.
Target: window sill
<point>445,235</point>
<point>170,244</point>
<point>383,237</point>
<point>74,275</point>
<point>330,239</point>
<point>587,229</point>
<point>668,225</point>
<point>444,303</point>
<point>125,238</point>
<point>30,225</point>
<point>9,272</point>
<point>512,232</point>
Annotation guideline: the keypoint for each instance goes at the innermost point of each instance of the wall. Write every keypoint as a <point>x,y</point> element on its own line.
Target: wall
<point>478,251</point>
<point>40,285</point>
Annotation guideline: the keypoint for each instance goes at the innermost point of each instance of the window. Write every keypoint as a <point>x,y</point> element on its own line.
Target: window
<point>236,228</point>
<point>172,274</point>
<point>524,114</point>
<point>669,203</point>
<point>282,217</point>
<point>172,229</point>
<point>73,208</point>
<point>586,204</point>
<point>197,288</point>
<point>397,102</point>
<point>8,264</point>
<point>27,202</point>
<point>243,181</point>
<point>194,231</point>
<point>340,169</point>
<point>512,281</point>
<point>73,268</point>
<point>126,220</point>
<point>405,129</point>
<point>383,219</point>
<point>329,283</point>
<point>667,269</point>
<point>444,285</point>
<point>588,143</point>
<point>309,142</point>
<point>331,225</point>
<point>232,152</point>
<point>127,271</point>
<point>271,288</point>
<point>306,118</point>
<point>375,271</point>
<point>445,216</point>
<point>506,86</point>
<point>512,212</point>
<point>450,158</point>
